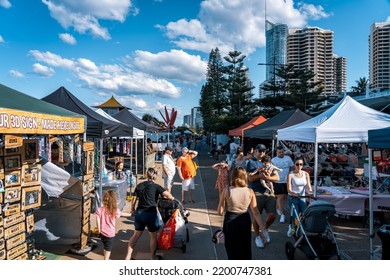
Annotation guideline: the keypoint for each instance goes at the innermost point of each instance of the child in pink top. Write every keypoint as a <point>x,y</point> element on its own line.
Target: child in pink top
<point>106,216</point>
<point>223,176</point>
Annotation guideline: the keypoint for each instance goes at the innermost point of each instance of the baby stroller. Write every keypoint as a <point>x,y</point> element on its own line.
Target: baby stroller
<point>167,209</point>
<point>313,234</point>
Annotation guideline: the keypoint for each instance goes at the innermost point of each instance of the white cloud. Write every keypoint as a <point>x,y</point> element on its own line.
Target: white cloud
<point>120,79</point>
<point>1,39</point>
<point>5,4</point>
<point>16,74</point>
<point>236,24</point>
<point>175,64</point>
<point>67,38</point>
<point>83,16</point>
<point>43,70</point>
<point>388,19</point>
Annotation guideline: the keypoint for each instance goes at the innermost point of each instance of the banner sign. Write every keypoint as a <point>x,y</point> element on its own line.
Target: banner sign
<point>22,122</point>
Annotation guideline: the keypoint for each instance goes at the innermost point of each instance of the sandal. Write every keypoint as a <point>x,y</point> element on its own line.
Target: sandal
<point>192,201</point>
<point>183,202</point>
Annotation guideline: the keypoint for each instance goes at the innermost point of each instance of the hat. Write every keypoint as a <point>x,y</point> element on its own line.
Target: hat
<point>169,148</point>
<point>261,147</point>
<point>280,147</point>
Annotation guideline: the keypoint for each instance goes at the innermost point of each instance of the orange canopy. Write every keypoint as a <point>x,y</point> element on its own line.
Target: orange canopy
<point>239,131</point>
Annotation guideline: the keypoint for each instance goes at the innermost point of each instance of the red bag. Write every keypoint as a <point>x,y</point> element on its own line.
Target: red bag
<point>167,235</point>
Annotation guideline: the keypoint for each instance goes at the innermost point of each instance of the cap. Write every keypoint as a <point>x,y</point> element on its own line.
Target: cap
<point>169,148</point>
<point>261,147</point>
<point>280,148</point>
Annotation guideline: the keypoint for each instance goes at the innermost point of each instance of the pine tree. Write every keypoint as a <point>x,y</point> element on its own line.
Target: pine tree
<point>238,91</point>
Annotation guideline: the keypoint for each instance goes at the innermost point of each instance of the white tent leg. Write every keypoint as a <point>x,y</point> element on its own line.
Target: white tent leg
<point>370,199</point>
<point>315,168</point>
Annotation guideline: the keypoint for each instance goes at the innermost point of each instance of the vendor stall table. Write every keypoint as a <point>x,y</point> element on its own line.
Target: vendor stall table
<point>120,189</point>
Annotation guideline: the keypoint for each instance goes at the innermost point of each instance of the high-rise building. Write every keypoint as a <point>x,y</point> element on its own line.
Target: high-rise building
<point>196,118</point>
<point>340,73</point>
<point>276,47</point>
<point>379,56</point>
<point>312,48</point>
<point>187,120</point>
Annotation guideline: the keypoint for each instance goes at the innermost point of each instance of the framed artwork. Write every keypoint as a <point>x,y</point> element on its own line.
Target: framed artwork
<point>12,163</point>
<point>31,175</point>
<point>89,162</point>
<point>2,166</point>
<point>31,197</point>
<point>12,194</point>
<point>1,201</point>
<point>30,151</point>
<point>12,151</point>
<point>12,178</point>
<point>2,185</point>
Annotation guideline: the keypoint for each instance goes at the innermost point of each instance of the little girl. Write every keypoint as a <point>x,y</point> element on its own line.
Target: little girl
<point>119,172</point>
<point>223,176</point>
<point>106,216</point>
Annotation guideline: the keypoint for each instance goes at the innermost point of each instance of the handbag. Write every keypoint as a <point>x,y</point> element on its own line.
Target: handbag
<point>218,237</point>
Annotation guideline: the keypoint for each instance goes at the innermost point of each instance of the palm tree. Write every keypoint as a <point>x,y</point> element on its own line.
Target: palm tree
<point>360,87</point>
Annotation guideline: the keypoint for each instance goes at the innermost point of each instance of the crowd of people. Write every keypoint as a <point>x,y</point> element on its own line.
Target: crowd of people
<point>247,186</point>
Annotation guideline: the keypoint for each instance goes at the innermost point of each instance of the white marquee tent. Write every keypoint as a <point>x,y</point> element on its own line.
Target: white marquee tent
<point>346,122</point>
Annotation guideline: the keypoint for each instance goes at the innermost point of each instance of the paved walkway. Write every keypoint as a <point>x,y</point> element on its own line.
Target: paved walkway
<point>352,234</point>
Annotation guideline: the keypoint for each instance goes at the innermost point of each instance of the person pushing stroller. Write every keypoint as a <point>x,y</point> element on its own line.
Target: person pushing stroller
<point>298,182</point>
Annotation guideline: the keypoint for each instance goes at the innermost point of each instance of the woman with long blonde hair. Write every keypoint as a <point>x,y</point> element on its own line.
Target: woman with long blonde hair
<point>237,224</point>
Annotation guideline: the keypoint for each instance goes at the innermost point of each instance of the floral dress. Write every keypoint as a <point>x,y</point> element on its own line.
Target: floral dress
<point>223,179</point>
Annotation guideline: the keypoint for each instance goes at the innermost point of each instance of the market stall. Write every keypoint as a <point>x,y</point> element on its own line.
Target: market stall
<point>346,122</point>
<point>377,139</point>
<point>27,125</point>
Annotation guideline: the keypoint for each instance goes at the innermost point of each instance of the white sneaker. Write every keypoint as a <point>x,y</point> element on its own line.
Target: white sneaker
<point>282,219</point>
<point>278,211</point>
<point>289,232</point>
<point>267,237</point>
<point>259,242</point>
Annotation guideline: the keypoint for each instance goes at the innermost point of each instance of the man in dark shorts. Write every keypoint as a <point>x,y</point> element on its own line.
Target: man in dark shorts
<point>264,201</point>
<point>280,187</point>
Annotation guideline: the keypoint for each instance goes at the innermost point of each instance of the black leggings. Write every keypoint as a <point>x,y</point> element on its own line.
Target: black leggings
<point>238,231</point>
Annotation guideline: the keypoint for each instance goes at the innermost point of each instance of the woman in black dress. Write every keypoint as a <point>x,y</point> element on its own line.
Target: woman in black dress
<point>237,225</point>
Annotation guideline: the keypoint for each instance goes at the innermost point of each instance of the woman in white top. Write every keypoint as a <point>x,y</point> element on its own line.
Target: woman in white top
<point>298,182</point>
<point>237,225</point>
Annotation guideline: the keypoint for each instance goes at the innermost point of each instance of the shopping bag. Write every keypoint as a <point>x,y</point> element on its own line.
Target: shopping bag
<point>159,220</point>
<point>167,235</point>
<point>180,228</point>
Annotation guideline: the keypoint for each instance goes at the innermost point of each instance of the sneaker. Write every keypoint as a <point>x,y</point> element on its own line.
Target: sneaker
<point>282,219</point>
<point>290,231</point>
<point>259,242</point>
<point>278,211</point>
<point>267,237</point>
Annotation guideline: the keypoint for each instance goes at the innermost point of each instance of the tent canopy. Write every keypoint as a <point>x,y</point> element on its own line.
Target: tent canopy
<point>97,125</point>
<point>34,116</point>
<point>239,131</point>
<point>268,129</point>
<point>346,122</point>
<point>132,120</point>
<point>379,138</point>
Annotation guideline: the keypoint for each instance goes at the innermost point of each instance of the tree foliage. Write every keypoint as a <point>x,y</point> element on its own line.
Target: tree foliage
<point>360,87</point>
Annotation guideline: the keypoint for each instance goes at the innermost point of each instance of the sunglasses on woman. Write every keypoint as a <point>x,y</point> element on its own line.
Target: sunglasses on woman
<point>299,164</point>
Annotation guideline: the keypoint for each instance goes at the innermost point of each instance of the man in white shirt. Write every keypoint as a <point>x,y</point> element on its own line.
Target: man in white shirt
<point>280,187</point>
<point>169,168</point>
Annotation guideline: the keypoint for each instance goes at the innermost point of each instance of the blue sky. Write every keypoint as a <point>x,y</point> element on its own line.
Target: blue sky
<point>153,53</point>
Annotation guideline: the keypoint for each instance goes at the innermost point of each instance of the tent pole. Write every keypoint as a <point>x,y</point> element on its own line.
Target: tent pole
<point>101,172</point>
<point>370,199</point>
<point>315,168</point>
<point>131,155</point>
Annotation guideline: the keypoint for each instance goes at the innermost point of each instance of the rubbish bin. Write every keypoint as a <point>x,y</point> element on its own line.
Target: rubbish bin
<point>384,235</point>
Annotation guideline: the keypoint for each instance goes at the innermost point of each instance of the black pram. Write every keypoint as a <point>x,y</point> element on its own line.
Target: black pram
<point>313,234</point>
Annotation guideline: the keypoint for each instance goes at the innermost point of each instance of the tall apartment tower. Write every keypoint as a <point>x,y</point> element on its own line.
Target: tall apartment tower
<point>276,47</point>
<point>379,55</point>
<point>312,48</point>
<point>340,73</point>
